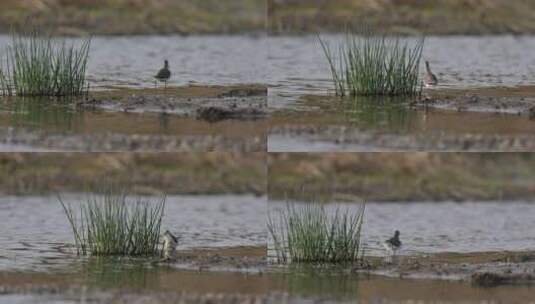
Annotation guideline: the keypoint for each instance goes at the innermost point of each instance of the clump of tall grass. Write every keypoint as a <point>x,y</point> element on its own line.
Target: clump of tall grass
<point>309,234</point>
<point>370,64</point>
<point>115,224</point>
<point>41,65</point>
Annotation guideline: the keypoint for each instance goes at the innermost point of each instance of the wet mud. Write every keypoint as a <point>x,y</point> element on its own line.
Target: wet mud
<point>194,118</point>
<point>201,102</point>
<point>244,259</point>
<point>225,275</point>
<point>24,140</point>
<point>519,100</point>
<point>485,269</point>
<point>491,119</point>
<point>405,282</point>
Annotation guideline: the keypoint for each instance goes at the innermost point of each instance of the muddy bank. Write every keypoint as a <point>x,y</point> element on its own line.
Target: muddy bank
<point>234,261</point>
<point>519,100</point>
<point>402,176</point>
<point>145,173</point>
<point>105,297</point>
<point>278,285</point>
<point>210,103</point>
<point>193,118</point>
<point>403,17</point>
<point>134,17</point>
<point>225,275</point>
<point>485,269</point>
<point>341,138</point>
<point>487,119</point>
<point>25,139</point>
<point>482,269</point>
<point>244,259</point>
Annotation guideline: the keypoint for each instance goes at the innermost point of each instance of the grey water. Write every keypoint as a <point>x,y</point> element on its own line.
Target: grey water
<point>35,233</point>
<point>428,227</point>
<point>292,65</point>
<point>298,66</point>
<point>132,61</point>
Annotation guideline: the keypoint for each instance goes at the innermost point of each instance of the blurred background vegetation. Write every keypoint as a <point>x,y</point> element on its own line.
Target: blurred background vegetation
<point>171,173</point>
<point>403,16</point>
<point>402,176</point>
<point>123,17</point>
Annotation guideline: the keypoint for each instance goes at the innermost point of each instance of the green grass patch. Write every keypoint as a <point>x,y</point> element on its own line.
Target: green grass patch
<point>370,64</point>
<point>113,223</point>
<point>41,65</point>
<point>309,234</point>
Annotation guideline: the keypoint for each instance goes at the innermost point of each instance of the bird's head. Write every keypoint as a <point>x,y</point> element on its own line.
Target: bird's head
<point>168,234</point>
<point>396,233</point>
<point>166,63</point>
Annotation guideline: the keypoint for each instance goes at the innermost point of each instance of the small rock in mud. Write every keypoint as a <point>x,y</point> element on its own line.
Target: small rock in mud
<point>213,114</point>
<point>490,279</point>
<point>531,113</point>
<point>487,279</point>
<point>244,92</point>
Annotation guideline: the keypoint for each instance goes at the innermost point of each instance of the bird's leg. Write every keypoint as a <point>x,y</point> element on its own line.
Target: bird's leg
<point>394,256</point>
<point>388,258</point>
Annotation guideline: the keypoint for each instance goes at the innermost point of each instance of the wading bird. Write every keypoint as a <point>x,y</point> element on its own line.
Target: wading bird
<point>169,245</point>
<point>430,78</point>
<point>163,74</point>
<point>392,245</point>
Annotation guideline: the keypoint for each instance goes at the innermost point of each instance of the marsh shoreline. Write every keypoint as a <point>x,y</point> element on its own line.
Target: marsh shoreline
<point>495,119</point>
<point>486,269</point>
<point>161,118</point>
<point>508,272</point>
<point>224,102</point>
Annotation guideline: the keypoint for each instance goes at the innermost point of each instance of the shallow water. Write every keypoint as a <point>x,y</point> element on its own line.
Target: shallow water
<point>297,64</point>
<point>429,227</point>
<point>36,234</point>
<point>22,148</point>
<point>281,143</point>
<point>345,288</point>
<point>43,118</point>
<point>132,61</point>
<point>299,287</point>
<point>61,118</point>
<point>202,60</point>
<point>373,118</point>
<point>297,67</point>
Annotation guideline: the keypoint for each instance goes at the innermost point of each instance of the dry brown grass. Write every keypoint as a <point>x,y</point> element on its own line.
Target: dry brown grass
<point>403,176</point>
<point>75,17</point>
<point>156,173</point>
<point>404,16</point>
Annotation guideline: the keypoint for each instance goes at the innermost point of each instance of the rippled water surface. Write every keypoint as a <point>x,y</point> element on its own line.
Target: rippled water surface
<point>133,61</point>
<point>376,117</point>
<point>41,114</point>
<point>297,64</point>
<point>446,227</point>
<point>35,229</point>
<point>304,287</point>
